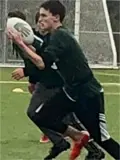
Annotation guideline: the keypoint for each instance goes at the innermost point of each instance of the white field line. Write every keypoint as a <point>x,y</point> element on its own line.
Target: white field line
<point>25,82</point>
<point>106,93</point>
<point>112,93</point>
<point>13,82</point>
<point>110,84</point>
<point>107,74</point>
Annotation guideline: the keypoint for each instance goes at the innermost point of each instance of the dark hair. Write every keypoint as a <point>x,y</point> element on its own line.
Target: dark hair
<point>17,14</point>
<point>55,7</point>
<point>16,50</point>
<point>37,17</point>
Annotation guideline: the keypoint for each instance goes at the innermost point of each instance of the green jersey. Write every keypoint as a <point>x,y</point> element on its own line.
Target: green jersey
<point>64,51</point>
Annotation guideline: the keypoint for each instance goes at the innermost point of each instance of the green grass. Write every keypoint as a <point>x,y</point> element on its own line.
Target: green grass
<point>20,137</point>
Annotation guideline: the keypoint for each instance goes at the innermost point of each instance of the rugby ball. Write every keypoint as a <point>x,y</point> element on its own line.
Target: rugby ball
<point>23,27</point>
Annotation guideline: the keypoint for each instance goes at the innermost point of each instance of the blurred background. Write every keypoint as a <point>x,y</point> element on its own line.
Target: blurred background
<point>96,20</point>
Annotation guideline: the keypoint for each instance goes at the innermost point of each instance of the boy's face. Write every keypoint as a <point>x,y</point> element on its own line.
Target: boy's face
<point>47,20</point>
<point>41,28</point>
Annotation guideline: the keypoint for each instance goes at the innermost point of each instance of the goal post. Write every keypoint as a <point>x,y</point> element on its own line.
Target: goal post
<point>110,33</point>
<point>93,30</point>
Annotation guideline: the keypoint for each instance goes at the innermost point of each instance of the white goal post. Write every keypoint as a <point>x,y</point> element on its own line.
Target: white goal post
<point>109,27</point>
<point>110,33</point>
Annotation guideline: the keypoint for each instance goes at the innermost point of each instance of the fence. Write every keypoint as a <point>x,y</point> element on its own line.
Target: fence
<point>88,19</point>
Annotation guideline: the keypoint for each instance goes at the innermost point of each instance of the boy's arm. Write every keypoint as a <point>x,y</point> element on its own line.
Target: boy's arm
<point>36,59</point>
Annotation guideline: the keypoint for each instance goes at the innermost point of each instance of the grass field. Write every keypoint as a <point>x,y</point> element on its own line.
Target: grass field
<point>20,138</point>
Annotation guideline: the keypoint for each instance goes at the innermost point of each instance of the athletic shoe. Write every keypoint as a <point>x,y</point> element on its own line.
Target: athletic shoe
<point>44,139</point>
<point>78,145</point>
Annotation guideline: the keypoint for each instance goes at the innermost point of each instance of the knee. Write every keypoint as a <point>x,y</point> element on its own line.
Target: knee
<point>33,117</point>
<point>29,114</point>
<point>36,117</point>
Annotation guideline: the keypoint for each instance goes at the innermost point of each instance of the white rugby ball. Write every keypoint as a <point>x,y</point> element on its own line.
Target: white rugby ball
<point>23,27</point>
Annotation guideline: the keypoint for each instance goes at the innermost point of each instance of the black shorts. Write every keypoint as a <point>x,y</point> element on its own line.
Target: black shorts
<point>52,112</point>
<point>48,107</point>
<point>90,112</point>
<point>39,96</point>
